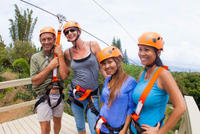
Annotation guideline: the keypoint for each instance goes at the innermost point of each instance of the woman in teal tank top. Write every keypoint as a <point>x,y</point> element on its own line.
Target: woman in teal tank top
<point>151,114</point>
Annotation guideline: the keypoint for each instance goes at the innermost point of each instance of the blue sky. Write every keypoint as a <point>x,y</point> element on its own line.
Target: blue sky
<point>178,21</point>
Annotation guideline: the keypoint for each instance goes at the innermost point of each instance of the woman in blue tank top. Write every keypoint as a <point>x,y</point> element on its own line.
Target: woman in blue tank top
<point>116,102</point>
<point>148,116</point>
<point>82,58</point>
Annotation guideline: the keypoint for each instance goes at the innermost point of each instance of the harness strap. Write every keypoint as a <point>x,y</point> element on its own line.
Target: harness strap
<point>145,94</point>
<point>44,97</point>
<point>91,106</point>
<point>71,99</point>
<point>102,121</point>
<point>136,114</point>
<point>138,127</point>
<point>84,94</point>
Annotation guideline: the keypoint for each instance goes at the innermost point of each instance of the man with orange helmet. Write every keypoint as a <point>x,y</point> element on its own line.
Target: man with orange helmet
<point>83,91</point>
<point>154,86</point>
<point>42,65</point>
<point>116,102</point>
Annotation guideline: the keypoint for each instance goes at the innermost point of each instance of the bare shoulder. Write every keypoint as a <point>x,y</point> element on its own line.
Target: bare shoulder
<point>95,48</point>
<point>165,74</point>
<point>165,79</point>
<point>95,45</point>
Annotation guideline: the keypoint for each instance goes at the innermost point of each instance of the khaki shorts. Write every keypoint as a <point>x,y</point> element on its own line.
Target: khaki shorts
<point>44,111</point>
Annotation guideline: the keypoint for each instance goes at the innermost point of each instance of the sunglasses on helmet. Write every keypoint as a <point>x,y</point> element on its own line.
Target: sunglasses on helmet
<point>71,30</point>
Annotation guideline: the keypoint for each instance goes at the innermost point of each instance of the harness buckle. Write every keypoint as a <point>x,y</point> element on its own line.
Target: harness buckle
<point>134,116</point>
<point>99,123</point>
<point>83,93</point>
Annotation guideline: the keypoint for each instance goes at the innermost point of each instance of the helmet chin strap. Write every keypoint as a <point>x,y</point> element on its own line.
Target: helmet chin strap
<point>75,45</point>
<point>152,64</point>
<point>76,40</point>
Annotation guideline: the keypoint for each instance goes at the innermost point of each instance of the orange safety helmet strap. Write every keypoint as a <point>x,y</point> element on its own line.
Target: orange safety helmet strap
<point>145,93</point>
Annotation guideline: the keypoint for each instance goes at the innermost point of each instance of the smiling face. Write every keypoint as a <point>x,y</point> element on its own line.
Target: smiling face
<point>72,33</point>
<point>146,54</point>
<point>47,40</point>
<point>109,66</point>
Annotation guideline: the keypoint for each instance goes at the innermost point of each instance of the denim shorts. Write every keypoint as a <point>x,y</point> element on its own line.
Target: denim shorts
<point>44,111</point>
<point>79,114</point>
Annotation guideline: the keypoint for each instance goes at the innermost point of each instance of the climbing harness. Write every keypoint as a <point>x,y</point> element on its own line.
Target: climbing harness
<point>136,114</point>
<point>55,83</point>
<point>102,121</point>
<point>79,94</point>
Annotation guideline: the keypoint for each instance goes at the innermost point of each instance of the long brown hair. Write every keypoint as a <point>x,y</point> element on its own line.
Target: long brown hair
<point>116,81</point>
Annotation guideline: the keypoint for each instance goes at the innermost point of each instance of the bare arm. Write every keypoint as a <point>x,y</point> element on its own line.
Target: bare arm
<point>168,83</point>
<point>63,69</point>
<point>67,59</point>
<point>41,77</point>
<point>96,49</point>
<point>126,125</point>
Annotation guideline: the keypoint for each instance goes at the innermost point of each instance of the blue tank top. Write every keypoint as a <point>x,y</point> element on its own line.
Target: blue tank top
<point>155,104</point>
<point>85,71</point>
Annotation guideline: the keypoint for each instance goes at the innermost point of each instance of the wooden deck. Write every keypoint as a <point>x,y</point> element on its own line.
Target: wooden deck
<point>30,125</point>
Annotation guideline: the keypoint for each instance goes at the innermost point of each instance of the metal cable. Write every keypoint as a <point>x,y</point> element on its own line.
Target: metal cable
<point>60,17</point>
<point>116,21</point>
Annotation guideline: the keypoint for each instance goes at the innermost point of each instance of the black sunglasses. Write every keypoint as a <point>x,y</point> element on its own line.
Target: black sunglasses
<point>71,30</point>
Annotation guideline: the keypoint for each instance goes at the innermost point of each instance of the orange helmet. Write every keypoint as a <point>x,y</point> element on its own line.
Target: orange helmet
<point>47,29</point>
<point>69,24</point>
<point>151,39</point>
<point>109,52</point>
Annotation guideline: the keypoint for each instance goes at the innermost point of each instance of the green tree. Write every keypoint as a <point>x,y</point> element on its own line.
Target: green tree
<point>4,60</point>
<point>21,50</point>
<point>2,49</point>
<point>117,43</point>
<point>125,57</point>
<point>22,27</point>
<point>22,67</point>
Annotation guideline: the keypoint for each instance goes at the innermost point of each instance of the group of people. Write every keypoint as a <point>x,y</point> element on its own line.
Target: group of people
<point>124,102</point>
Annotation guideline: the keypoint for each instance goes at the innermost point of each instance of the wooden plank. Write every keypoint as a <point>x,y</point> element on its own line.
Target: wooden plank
<point>19,127</point>
<point>33,124</point>
<point>15,106</point>
<point>70,121</point>
<point>1,129</point>
<point>34,120</point>
<point>6,128</point>
<point>26,127</point>
<point>67,127</point>
<point>193,115</point>
<point>12,128</point>
<point>15,83</point>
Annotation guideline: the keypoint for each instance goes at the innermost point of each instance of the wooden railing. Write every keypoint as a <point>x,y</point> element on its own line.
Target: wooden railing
<point>15,83</point>
<point>191,118</point>
<point>189,125</point>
